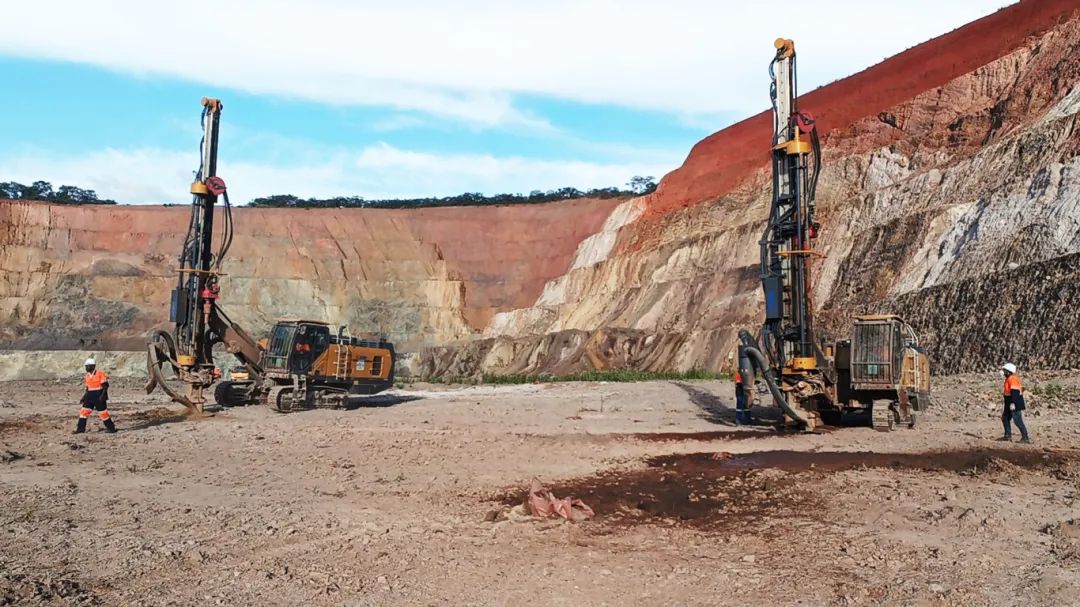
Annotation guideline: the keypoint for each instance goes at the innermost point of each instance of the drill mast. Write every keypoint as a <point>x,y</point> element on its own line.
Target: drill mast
<point>881,370</point>
<point>787,244</point>
<point>198,322</point>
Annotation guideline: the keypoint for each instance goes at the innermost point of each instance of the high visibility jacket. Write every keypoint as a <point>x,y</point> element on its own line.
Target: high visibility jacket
<point>96,380</point>
<point>1014,393</point>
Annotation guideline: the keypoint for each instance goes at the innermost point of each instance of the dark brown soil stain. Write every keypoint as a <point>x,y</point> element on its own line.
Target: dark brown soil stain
<point>717,491</point>
<point>140,420</point>
<point>834,461</point>
<point>23,424</point>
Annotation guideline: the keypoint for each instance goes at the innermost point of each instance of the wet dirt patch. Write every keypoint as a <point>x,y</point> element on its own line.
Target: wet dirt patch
<point>140,420</point>
<point>717,491</point>
<point>22,424</point>
<point>834,461</point>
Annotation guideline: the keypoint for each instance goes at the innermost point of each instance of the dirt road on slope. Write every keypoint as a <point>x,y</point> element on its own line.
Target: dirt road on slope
<point>407,501</point>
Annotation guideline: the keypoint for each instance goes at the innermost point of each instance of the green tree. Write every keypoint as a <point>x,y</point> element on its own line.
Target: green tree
<point>642,185</point>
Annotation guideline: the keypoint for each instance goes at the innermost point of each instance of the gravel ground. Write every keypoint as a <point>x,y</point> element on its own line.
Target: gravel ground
<point>409,500</point>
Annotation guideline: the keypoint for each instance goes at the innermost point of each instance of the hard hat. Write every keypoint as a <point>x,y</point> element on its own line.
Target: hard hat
<point>90,361</point>
<point>1011,368</point>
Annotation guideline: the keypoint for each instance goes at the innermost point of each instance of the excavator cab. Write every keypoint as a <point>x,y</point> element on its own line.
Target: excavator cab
<point>310,342</point>
<point>295,345</point>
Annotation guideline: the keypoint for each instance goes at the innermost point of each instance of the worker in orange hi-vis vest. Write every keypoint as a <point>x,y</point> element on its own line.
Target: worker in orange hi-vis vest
<point>742,411</point>
<point>95,397</point>
<point>1014,404</point>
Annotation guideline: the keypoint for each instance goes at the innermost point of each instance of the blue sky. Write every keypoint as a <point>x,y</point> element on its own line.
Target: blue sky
<point>417,98</point>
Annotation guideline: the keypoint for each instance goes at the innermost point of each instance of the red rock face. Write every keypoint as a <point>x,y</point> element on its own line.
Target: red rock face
<point>86,276</point>
<point>722,161</point>
<point>951,174</point>
<point>950,169</point>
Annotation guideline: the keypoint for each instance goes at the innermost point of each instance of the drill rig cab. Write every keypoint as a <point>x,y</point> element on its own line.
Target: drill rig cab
<point>302,365</point>
<point>305,365</point>
<point>881,368</point>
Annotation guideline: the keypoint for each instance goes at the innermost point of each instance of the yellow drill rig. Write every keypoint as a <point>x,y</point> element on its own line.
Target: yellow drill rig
<point>881,369</point>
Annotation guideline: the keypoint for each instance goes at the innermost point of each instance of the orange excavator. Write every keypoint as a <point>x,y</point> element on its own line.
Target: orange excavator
<point>303,364</point>
<point>881,369</point>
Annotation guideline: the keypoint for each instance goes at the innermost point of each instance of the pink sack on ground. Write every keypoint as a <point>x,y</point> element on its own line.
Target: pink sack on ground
<point>542,503</point>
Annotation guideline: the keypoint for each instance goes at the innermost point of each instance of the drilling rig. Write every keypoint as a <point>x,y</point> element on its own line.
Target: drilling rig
<point>304,364</point>
<point>881,370</point>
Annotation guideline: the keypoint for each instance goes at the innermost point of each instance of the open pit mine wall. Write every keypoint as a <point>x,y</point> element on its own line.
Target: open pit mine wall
<point>950,194</point>
<point>97,278</point>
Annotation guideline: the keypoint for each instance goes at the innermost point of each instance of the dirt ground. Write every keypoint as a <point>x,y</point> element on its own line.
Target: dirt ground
<point>407,501</point>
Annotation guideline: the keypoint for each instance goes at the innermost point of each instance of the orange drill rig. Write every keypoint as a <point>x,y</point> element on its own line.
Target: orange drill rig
<point>304,364</point>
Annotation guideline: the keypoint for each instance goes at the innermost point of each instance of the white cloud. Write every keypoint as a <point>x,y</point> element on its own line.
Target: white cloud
<point>399,122</point>
<point>466,60</point>
<point>385,166</point>
<point>141,175</point>
<point>151,175</point>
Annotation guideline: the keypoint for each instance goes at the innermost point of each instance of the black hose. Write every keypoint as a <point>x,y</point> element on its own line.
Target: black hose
<point>815,142</point>
<point>226,231</point>
<point>772,99</point>
<point>750,347</point>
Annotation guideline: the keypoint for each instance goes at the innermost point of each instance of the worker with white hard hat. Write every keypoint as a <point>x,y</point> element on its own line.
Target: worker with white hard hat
<point>1014,404</point>
<point>95,397</point>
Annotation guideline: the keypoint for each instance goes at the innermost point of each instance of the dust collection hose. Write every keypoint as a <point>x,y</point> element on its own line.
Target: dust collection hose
<point>757,359</point>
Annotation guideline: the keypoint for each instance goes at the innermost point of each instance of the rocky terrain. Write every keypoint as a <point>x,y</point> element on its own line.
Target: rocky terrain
<point>413,498</point>
<point>97,278</point>
<point>950,194</point>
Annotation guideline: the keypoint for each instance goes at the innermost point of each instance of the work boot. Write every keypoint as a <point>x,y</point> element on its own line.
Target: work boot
<point>110,427</point>
<point>81,426</point>
<point>1025,441</point>
<point>1005,439</point>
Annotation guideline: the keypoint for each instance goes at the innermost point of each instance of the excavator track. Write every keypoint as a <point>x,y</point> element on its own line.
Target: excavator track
<point>882,417</point>
<point>280,399</point>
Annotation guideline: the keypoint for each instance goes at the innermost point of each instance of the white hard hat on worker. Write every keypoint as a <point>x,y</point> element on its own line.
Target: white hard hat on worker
<point>90,362</point>
<point>1009,368</point>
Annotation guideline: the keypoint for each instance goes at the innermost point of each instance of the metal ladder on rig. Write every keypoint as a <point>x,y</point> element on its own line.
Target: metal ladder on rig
<point>341,362</point>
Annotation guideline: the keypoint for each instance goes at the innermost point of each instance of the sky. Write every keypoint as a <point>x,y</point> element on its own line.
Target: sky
<point>412,97</point>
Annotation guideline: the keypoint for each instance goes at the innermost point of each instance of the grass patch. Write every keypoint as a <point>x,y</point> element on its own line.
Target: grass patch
<point>596,376</point>
<point>1051,390</point>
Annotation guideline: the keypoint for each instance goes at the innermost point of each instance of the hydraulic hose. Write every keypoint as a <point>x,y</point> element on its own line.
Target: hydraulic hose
<point>757,359</point>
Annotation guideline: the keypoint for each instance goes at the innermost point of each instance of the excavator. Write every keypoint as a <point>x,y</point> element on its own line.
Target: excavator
<point>303,364</point>
<point>880,369</point>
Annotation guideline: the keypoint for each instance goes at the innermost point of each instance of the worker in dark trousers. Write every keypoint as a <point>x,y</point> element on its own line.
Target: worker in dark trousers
<point>1014,404</point>
<point>95,397</point>
<point>742,411</point>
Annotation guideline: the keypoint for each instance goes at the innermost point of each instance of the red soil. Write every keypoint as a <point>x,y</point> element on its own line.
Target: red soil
<point>722,161</point>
